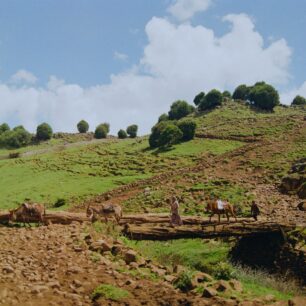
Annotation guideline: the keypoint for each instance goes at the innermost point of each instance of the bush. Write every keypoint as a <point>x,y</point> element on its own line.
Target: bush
<point>224,270</point>
<point>170,135</point>
<point>156,132</point>
<point>132,130</point>
<point>44,132</point>
<point>163,117</point>
<point>188,128</point>
<point>16,138</point>
<point>298,100</point>
<point>106,126</point>
<point>59,203</point>
<point>100,132</point>
<point>122,134</point>
<point>211,100</point>
<point>184,281</point>
<point>180,109</point>
<point>83,126</point>
<point>241,92</point>
<point>264,96</point>
<point>226,94</point>
<point>198,99</point>
<point>4,127</point>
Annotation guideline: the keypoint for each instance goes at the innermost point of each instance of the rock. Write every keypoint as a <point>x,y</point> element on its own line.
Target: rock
<point>77,283</point>
<point>54,285</point>
<point>236,285</point>
<point>178,269</point>
<point>8,269</point>
<point>129,282</point>
<point>169,278</point>
<point>130,256</point>
<point>222,286</point>
<point>297,301</point>
<point>106,247</point>
<point>209,292</point>
<point>269,298</point>
<point>201,277</point>
<point>158,271</point>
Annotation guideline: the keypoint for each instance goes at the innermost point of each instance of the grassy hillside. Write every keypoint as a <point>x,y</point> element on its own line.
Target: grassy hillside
<point>85,169</point>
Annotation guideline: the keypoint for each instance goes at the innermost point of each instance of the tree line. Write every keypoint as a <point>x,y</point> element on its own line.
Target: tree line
<point>19,137</point>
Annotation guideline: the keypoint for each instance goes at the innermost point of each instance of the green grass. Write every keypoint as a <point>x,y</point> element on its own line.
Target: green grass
<point>109,292</point>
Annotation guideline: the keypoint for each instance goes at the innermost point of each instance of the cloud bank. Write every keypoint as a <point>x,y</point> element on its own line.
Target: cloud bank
<point>178,62</point>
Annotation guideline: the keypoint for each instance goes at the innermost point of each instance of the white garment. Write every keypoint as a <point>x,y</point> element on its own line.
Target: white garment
<point>220,205</point>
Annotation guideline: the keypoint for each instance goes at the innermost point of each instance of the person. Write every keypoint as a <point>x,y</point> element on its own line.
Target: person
<point>175,218</point>
<point>255,210</point>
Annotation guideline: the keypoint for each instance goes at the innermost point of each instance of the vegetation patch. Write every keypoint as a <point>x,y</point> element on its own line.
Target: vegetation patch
<point>109,292</point>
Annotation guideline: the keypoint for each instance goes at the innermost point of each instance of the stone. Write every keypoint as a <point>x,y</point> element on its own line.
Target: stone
<point>8,269</point>
<point>236,285</point>
<point>209,292</point>
<point>201,277</point>
<point>169,278</point>
<point>178,269</point>
<point>269,298</point>
<point>222,286</point>
<point>130,256</point>
<point>54,285</point>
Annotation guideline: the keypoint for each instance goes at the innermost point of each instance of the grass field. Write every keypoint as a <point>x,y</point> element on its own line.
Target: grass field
<point>86,170</point>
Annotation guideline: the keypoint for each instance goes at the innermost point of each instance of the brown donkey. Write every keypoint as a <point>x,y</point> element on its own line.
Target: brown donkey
<point>228,209</point>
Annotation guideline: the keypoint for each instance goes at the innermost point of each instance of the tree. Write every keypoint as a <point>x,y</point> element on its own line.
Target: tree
<point>241,92</point>
<point>163,117</point>
<point>188,128</point>
<point>132,130</point>
<point>15,138</point>
<point>100,131</point>
<point>4,127</point>
<point>44,132</point>
<point>83,126</point>
<point>226,94</point>
<point>199,98</point>
<point>122,134</point>
<point>211,100</point>
<point>170,135</point>
<point>106,126</point>
<point>180,109</point>
<point>264,96</point>
<point>154,139</point>
<point>299,100</point>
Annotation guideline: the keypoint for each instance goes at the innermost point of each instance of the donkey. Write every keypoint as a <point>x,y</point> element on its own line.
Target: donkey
<point>27,213</point>
<point>106,211</point>
<point>228,209</point>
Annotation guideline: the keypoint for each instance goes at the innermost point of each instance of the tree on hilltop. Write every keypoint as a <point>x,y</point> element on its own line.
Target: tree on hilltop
<point>83,126</point>
<point>100,131</point>
<point>211,100</point>
<point>299,100</point>
<point>122,134</point>
<point>132,130</point>
<point>199,98</point>
<point>43,131</point>
<point>241,92</point>
<point>180,109</point>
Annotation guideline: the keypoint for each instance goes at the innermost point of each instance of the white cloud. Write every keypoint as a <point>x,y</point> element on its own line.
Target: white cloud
<point>120,56</point>
<point>287,97</point>
<point>185,9</point>
<point>178,62</point>
<point>23,76</point>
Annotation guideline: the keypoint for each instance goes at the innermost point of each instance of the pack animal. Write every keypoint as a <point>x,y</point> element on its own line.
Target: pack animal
<point>106,211</point>
<point>228,209</point>
<point>27,213</point>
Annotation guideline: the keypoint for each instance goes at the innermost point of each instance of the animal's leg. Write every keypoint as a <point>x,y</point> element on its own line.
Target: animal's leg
<point>219,216</point>
<point>227,216</point>
<point>211,216</point>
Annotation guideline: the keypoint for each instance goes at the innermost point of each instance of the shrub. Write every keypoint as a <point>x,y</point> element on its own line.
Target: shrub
<point>184,281</point>
<point>241,92</point>
<point>122,134</point>
<point>4,127</point>
<point>180,109</point>
<point>100,132</point>
<point>188,128</point>
<point>224,270</point>
<point>211,100</point>
<point>14,155</point>
<point>264,96</point>
<point>83,126</point>
<point>59,202</point>
<point>132,130</point>
<point>109,292</point>
<point>106,126</point>
<point>163,117</point>
<point>298,100</point>
<point>198,99</point>
<point>15,138</point>
<point>156,132</point>
<point>44,132</point>
<point>226,94</point>
<point>170,135</point>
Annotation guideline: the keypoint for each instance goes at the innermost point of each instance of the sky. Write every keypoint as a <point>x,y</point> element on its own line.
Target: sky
<point>126,61</point>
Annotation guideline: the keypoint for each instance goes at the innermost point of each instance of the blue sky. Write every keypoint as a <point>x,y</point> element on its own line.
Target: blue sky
<point>87,59</point>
